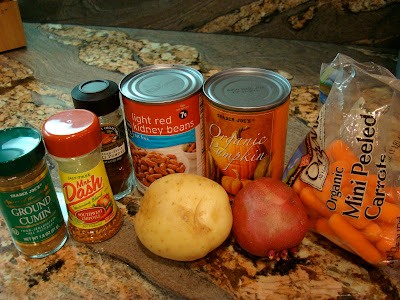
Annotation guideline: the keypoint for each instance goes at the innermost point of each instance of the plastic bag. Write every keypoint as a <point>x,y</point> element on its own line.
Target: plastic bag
<point>347,170</point>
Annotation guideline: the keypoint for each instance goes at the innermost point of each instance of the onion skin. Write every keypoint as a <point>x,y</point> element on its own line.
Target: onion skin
<point>268,217</point>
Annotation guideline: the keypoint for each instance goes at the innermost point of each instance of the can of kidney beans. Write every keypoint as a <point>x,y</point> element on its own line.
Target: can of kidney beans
<point>164,113</point>
<point>246,114</point>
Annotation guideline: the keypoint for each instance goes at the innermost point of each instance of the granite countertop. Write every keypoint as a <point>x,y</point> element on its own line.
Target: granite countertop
<point>35,83</point>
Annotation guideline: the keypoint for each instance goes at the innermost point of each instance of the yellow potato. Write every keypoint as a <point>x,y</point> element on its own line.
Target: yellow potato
<point>183,217</point>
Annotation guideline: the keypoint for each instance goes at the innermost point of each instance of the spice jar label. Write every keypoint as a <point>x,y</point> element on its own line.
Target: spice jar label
<point>114,144</point>
<point>89,199</point>
<point>32,213</point>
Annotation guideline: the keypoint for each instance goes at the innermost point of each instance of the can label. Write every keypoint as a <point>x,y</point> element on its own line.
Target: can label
<point>88,196</point>
<point>243,146</point>
<point>32,214</point>
<point>165,138</point>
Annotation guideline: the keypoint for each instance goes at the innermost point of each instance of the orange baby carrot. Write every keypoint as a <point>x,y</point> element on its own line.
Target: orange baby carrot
<point>310,199</point>
<point>322,227</point>
<point>311,212</point>
<point>352,180</point>
<point>389,213</point>
<point>354,238</point>
<point>373,232</point>
<point>385,243</point>
<point>372,182</point>
<point>359,223</point>
<point>356,219</point>
<point>388,240</point>
<point>341,166</point>
<point>385,212</point>
<point>338,150</point>
<point>392,194</point>
<point>298,185</point>
<point>325,194</point>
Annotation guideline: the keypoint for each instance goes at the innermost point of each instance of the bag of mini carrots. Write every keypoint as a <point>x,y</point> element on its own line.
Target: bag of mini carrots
<point>347,169</point>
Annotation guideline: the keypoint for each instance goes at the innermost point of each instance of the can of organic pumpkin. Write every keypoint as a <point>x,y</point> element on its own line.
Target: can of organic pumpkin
<point>246,116</point>
<point>163,107</point>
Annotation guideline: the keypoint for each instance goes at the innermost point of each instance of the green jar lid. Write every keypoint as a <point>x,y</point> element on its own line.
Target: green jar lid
<point>21,148</point>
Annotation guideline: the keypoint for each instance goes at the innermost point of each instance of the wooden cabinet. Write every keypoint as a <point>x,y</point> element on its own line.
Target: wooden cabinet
<point>12,34</point>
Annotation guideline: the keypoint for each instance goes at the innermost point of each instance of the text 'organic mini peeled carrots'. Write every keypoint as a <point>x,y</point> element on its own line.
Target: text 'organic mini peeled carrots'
<point>355,209</point>
<point>346,170</point>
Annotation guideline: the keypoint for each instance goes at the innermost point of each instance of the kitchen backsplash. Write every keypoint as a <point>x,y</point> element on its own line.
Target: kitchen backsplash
<point>361,22</point>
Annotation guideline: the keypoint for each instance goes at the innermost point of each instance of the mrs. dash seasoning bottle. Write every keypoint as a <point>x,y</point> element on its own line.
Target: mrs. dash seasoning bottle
<point>102,98</point>
<point>28,200</point>
<point>73,139</point>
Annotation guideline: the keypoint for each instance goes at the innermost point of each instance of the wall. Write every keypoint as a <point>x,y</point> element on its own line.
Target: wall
<point>362,22</point>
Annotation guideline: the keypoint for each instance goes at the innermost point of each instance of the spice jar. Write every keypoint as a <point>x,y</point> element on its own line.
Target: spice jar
<point>102,98</point>
<point>73,139</point>
<point>28,200</point>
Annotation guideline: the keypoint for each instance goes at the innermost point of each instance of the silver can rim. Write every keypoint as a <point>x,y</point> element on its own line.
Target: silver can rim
<point>280,99</point>
<point>197,87</point>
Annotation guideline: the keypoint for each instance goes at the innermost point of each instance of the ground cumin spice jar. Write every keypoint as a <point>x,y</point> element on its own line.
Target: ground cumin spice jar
<point>102,98</point>
<point>73,139</point>
<point>28,200</point>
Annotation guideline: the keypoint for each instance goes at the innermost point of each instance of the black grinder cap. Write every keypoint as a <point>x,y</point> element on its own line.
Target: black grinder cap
<point>99,96</point>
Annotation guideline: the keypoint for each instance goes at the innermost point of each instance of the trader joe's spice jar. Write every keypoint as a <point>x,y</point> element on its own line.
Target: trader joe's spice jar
<point>28,200</point>
<point>73,138</point>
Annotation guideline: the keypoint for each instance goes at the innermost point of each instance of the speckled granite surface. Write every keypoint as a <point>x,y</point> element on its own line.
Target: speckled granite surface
<point>359,22</point>
<point>35,83</point>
